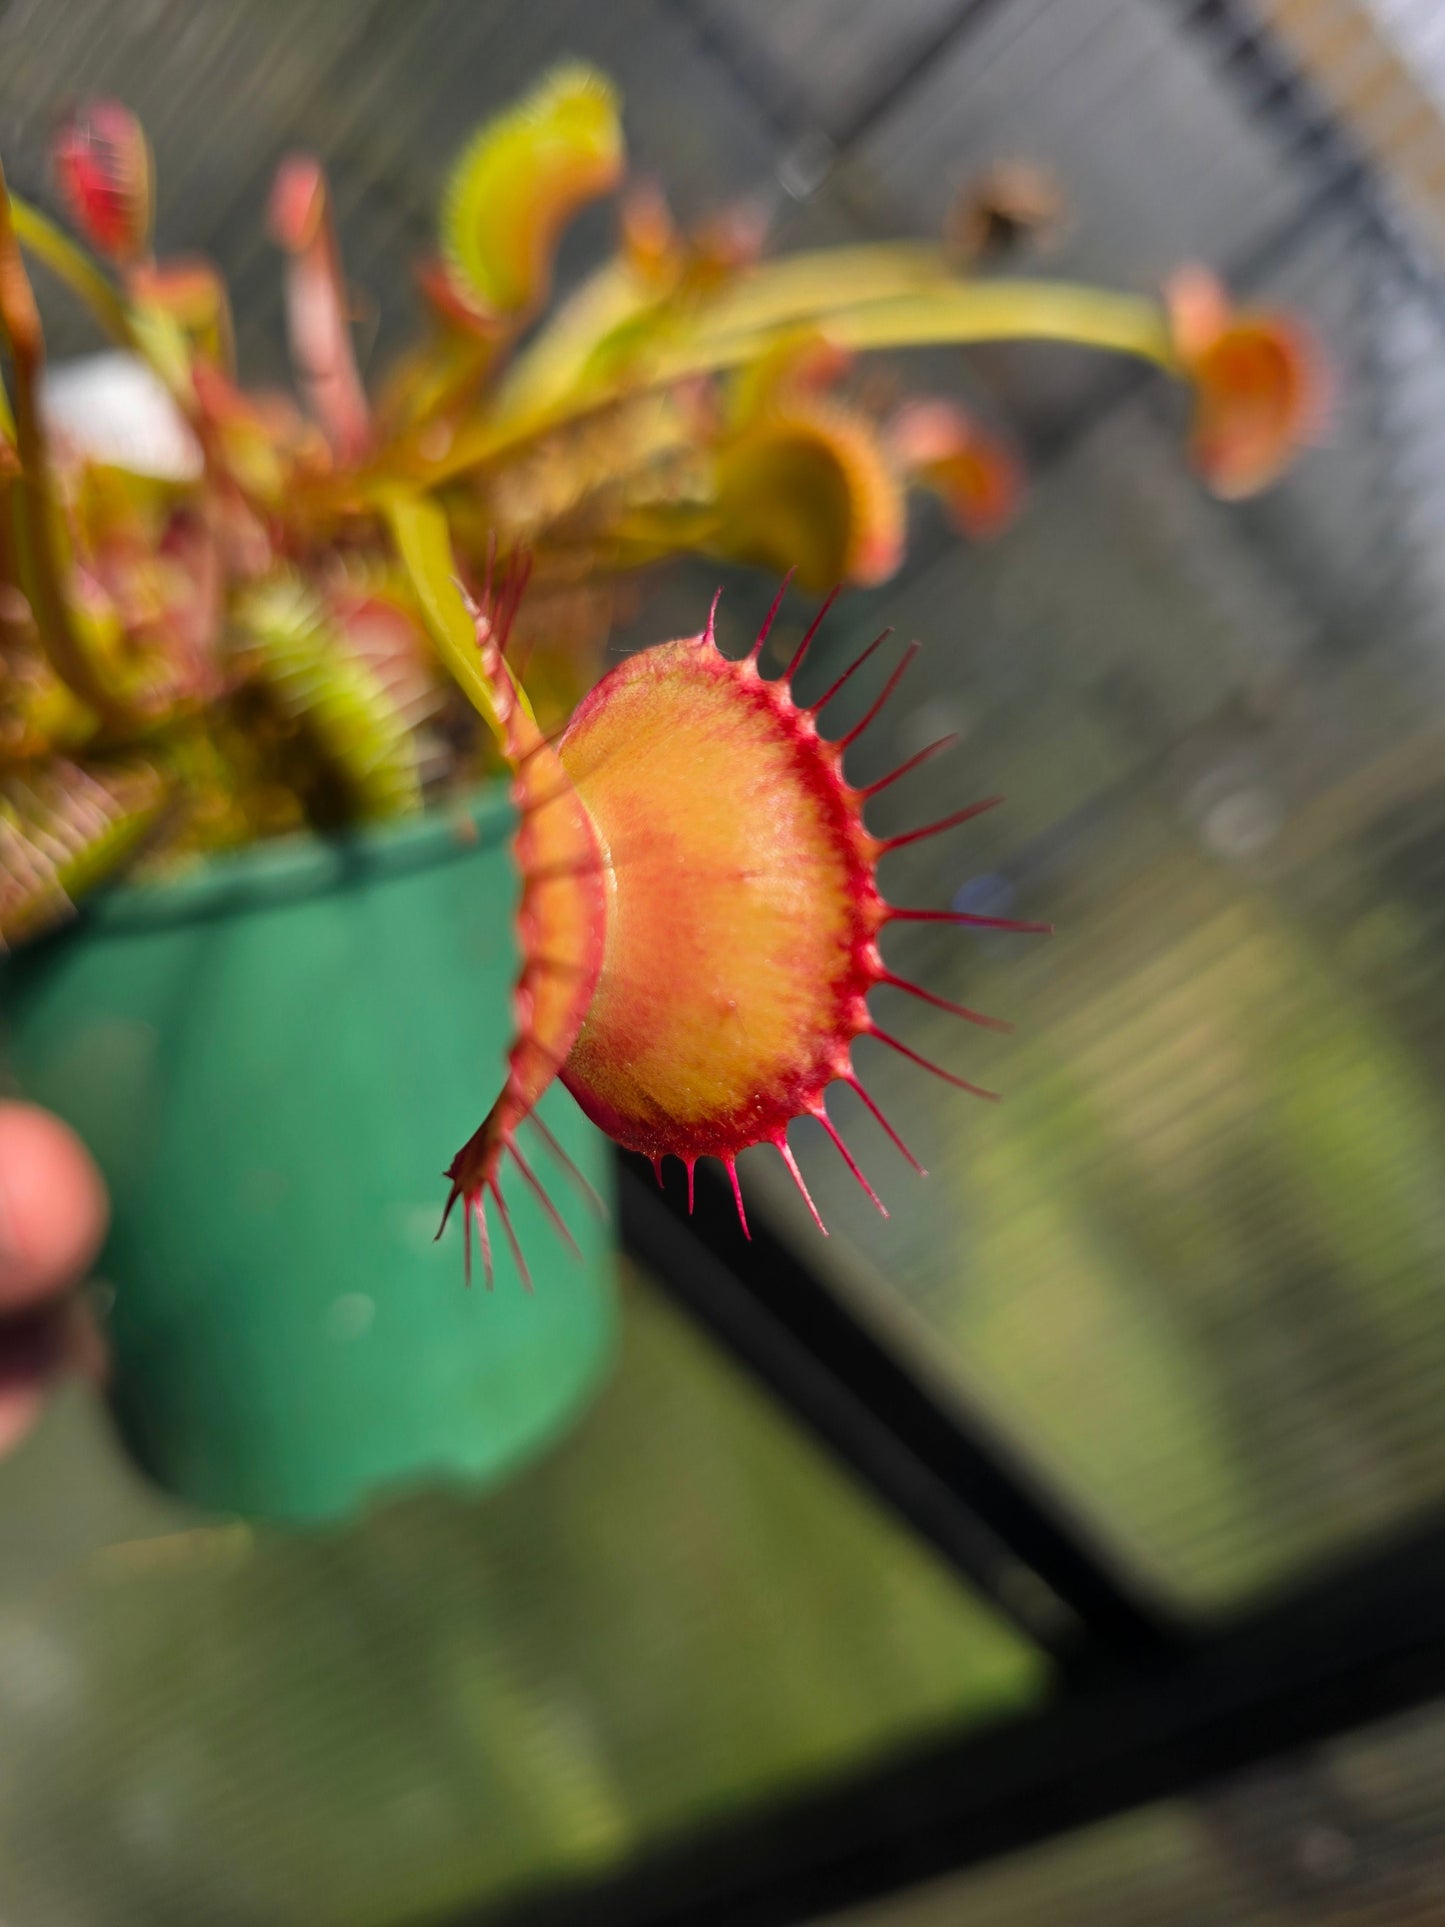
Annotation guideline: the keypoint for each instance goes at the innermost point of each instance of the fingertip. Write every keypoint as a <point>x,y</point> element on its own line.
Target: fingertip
<point>53,1206</point>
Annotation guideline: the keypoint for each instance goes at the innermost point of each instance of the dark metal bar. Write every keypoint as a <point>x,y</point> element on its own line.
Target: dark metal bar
<point>778,101</point>
<point>943,41</point>
<point>917,1449</point>
<point>1353,1648</point>
<point>1250,57</point>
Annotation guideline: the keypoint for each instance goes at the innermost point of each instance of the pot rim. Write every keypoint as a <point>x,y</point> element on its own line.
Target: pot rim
<point>286,869</point>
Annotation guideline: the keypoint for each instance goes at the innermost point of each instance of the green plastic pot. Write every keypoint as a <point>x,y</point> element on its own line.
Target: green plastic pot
<point>272,1059</point>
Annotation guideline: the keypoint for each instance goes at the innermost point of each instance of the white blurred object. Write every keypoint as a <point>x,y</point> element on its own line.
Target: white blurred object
<point>113,409</point>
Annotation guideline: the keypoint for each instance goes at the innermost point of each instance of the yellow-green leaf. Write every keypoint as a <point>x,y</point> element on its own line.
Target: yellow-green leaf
<point>424,543</point>
<point>47,243</point>
<point>867,306</point>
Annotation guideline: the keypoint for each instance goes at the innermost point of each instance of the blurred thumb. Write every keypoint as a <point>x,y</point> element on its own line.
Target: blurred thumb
<point>53,1209</point>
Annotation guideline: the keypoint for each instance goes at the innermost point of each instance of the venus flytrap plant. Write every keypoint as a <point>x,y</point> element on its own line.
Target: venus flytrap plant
<point>276,639</point>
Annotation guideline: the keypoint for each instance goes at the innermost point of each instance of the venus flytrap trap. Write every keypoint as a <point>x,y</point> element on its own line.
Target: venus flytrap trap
<point>1262,390</point>
<point>271,638</point>
<point>692,812</point>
